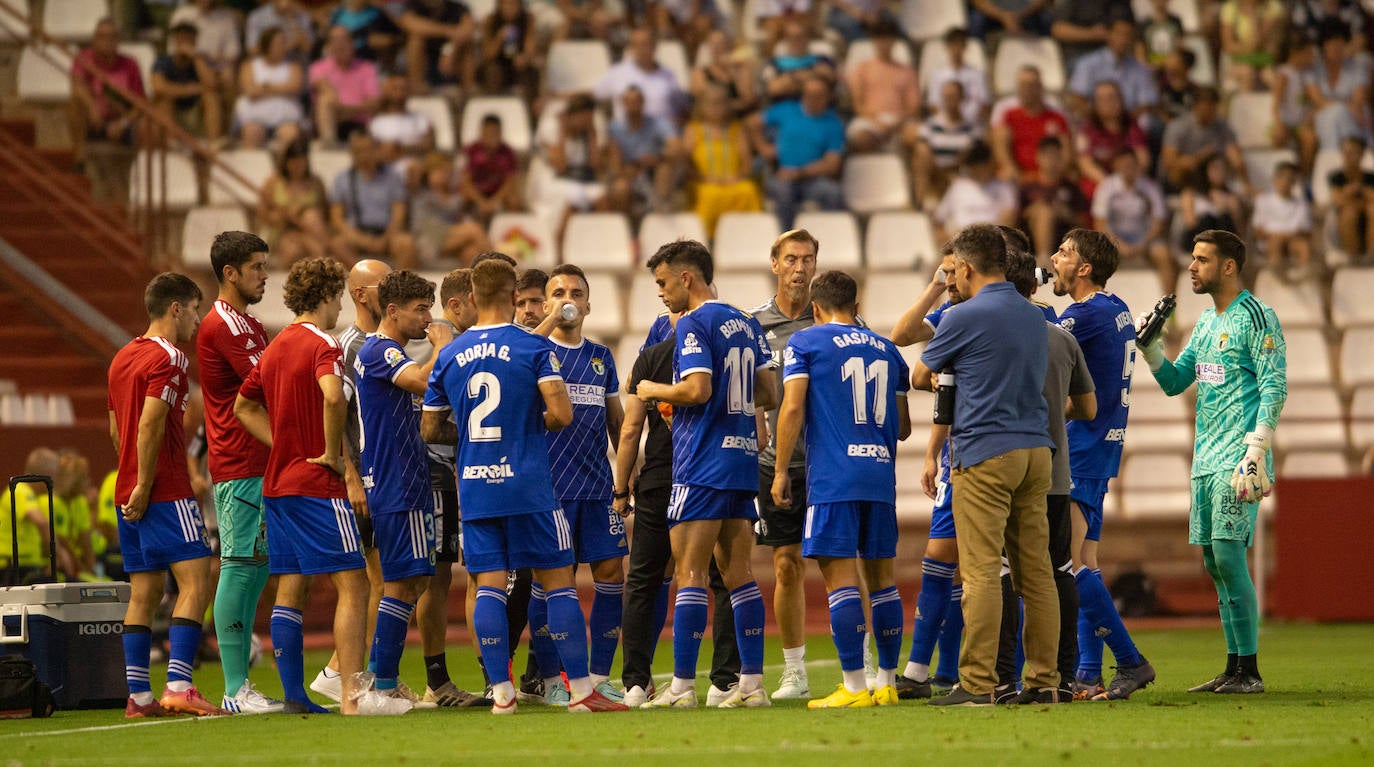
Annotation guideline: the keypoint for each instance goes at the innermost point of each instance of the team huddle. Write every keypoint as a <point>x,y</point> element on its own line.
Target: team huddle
<point>346,457</point>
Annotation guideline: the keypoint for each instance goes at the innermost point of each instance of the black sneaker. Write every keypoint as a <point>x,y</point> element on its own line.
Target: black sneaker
<point>530,691</point>
<point>941,685</point>
<point>1128,679</point>
<point>958,696</point>
<point>1043,695</point>
<point>1212,684</point>
<point>1240,683</point>
<point>910,689</point>
<point>1004,694</point>
<point>1085,689</point>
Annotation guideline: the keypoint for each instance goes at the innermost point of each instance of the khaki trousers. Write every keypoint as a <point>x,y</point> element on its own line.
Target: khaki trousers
<point>1000,504</point>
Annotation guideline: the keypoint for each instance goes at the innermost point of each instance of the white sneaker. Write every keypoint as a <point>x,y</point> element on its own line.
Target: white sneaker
<point>666,698</point>
<point>793,684</point>
<point>755,698</point>
<point>329,686</point>
<point>636,696</point>
<point>379,703</point>
<point>870,671</point>
<point>716,696</point>
<point>249,700</point>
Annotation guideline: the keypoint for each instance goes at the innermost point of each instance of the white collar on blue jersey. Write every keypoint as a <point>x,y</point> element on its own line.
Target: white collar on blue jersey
<point>580,343</point>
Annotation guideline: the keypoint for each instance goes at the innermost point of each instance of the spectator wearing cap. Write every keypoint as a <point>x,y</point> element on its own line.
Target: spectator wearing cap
<point>885,96</point>
<point>808,148</point>
<point>347,91</point>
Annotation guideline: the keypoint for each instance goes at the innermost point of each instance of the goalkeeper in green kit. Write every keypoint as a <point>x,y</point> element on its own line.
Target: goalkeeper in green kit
<point>1236,355</point>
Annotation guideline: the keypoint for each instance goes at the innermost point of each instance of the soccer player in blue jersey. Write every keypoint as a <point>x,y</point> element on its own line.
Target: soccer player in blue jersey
<point>1238,358</point>
<point>394,463</point>
<point>582,474</point>
<point>939,618</point>
<point>721,368</point>
<point>847,385</point>
<point>501,383</point>
<point>1102,325</point>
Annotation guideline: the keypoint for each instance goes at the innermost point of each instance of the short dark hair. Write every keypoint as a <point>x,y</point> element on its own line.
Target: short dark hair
<point>955,33</point>
<point>532,279</point>
<point>983,247</point>
<point>166,289</point>
<point>835,291</point>
<point>978,153</point>
<point>313,281</point>
<point>234,248</point>
<point>403,286</point>
<point>794,235</point>
<point>184,28</point>
<point>491,118</point>
<point>1099,251</point>
<point>268,35</point>
<point>580,102</point>
<point>1285,165</point>
<point>1021,271</point>
<point>685,253</point>
<point>1048,142</point>
<point>456,283</point>
<point>491,280</point>
<point>885,27</point>
<point>490,254</point>
<point>1228,245</point>
<point>570,269</point>
<point>1015,238</point>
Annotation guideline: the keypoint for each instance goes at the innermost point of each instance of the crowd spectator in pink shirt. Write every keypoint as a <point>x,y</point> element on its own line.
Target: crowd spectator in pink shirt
<point>100,113</point>
<point>885,94</point>
<point>347,92</point>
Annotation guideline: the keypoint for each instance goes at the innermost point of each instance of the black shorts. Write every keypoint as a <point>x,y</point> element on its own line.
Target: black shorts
<point>364,530</point>
<point>780,526</point>
<point>447,531</point>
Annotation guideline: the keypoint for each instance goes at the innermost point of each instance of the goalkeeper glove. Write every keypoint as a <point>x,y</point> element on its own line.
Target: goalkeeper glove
<point>1153,352</point>
<point>1251,478</point>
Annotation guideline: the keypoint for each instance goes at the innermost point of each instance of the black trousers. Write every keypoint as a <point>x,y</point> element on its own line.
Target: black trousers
<point>1061,540</point>
<point>650,550</point>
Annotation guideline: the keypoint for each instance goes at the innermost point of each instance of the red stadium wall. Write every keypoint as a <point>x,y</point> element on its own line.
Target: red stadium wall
<point>1322,533</point>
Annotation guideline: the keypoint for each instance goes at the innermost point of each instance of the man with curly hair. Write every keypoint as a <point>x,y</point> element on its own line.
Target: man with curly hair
<point>293,401</point>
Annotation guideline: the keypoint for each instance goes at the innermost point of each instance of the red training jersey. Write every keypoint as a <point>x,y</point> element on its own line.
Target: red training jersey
<point>227,347</point>
<point>286,381</point>
<point>1028,129</point>
<point>150,367</point>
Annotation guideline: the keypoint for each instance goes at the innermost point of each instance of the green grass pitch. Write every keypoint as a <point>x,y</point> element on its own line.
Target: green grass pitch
<point>1319,710</point>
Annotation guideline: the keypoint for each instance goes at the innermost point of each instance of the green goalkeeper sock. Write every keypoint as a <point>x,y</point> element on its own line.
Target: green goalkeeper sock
<point>1240,593</point>
<point>1209,562</point>
<point>240,584</point>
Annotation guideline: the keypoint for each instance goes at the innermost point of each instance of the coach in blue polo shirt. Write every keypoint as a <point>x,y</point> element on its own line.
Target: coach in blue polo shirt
<point>995,344</point>
<point>808,144</point>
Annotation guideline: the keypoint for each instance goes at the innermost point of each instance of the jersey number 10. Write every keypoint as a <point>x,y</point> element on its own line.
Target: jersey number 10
<point>739,374</point>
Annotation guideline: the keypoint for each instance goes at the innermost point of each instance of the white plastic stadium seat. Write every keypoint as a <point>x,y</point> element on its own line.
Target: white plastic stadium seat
<point>886,298</point>
<point>146,55</point>
<point>1156,421</point>
<point>73,20</point>
<point>746,291</point>
<point>575,65</point>
<point>528,228</point>
<point>672,56</point>
<point>1298,305</point>
<point>901,240</point>
<point>838,234</point>
<point>607,318</point>
<point>744,239</point>
<point>927,20</point>
<point>862,50</point>
<point>1357,361</point>
<point>599,241</point>
<point>200,229</point>
<point>643,306</point>
<point>1362,418</point>
<point>1309,361</point>
<point>1351,288</point>
<point>1156,486</point>
<point>1138,288</point>
<point>1250,115</point>
<point>659,228</point>
<point>181,191</point>
<point>515,120</point>
<point>271,311</point>
<point>1311,419</point>
<point>1185,10</point>
<point>327,164</point>
<point>255,165</point>
<point>40,80</point>
<point>1204,72</point>
<point>12,410</point>
<point>1315,463</point>
<point>1260,162</point>
<point>1016,52</point>
<point>874,182</point>
<point>440,116</point>
<point>933,56</point>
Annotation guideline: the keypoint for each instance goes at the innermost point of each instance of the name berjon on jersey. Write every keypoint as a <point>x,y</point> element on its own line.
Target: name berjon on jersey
<point>733,326</point>
<point>482,351</point>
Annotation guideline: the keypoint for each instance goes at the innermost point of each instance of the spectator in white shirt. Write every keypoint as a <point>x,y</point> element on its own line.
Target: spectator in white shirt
<point>402,135</point>
<point>663,95</point>
<point>975,197</point>
<point>1283,222</point>
<point>1129,206</point>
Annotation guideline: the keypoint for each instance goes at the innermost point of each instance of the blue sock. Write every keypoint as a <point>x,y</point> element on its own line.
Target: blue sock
<point>951,634</point>
<point>660,613</point>
<point>937,578</point>
<point>138,644</point>
<point>749,620</point>
<point>546,662</point>
<point>288,648</point>
<point>1096,603</point>
<point>887,625</point>
<point>689,626</point>
<point>184,639</point>
<point>489,621</point>
<point>1089,649</point>
<point>389,640</point>
<point>847,627</point>
<point>1019,657</point>
<point>604,624</point>
<point>568,630</point>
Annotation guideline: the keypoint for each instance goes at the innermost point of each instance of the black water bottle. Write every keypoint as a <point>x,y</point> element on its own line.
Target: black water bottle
<point>1154,321</point>
<point>944,399</point>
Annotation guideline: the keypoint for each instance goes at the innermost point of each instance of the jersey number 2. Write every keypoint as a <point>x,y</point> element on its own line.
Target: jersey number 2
<point>487,386</point>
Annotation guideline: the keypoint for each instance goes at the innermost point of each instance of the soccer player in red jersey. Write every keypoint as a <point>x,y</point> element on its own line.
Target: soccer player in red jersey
<point>160,527</point>
<point>228,346</point>
<point>293,401</point>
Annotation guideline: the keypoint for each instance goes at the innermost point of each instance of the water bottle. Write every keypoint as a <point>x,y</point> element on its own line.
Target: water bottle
<point>1154,321</point>
<point>568,312</point>
<point>944,399</point>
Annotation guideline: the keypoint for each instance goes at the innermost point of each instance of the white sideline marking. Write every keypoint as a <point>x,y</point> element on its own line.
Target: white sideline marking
<point>100,728</point>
